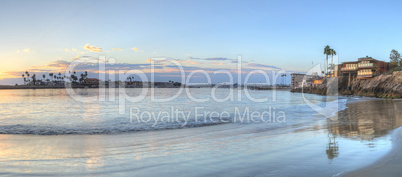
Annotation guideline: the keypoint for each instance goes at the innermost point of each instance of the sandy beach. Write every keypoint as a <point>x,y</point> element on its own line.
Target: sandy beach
<point>389,165</point>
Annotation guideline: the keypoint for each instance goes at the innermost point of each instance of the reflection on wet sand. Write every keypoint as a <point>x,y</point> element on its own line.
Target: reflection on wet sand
<point>332,147</point>
<point>363,122</point>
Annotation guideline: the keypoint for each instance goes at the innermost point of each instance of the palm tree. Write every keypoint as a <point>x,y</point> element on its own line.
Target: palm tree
<point>283,79</point>
<point>23,76</point>
<point>34,78</point>
<point>82,78</point>
<point>51,76</point>
<point>28,80</point>
<point>44,76</point>
<point>284,75</point>
<point>74,78</point>
<point>333,52</point>
<point>327,52</point>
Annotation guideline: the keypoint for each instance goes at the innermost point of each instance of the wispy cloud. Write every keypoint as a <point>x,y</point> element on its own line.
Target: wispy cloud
<point>216,59</point>
<point>92,48</point>
<point>163,66</point>
<point>136,49</point>
<point>23,50</point>
<point>68,50</point>
<point>258,65</point>
<point>190,57</point>
<point>117,49</point>
<point>75,58</point>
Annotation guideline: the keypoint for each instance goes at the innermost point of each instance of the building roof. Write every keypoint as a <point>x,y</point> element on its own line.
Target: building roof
<point>347,62</point>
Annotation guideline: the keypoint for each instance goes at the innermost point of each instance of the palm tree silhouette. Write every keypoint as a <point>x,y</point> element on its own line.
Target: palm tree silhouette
<point>28,80</point>
<point>333,52</point>
<point>51,76</point>
<point>327,52</point>
<point>23,76</point>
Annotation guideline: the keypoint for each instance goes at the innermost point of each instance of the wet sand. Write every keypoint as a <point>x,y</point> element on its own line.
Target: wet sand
<point>389,165</point>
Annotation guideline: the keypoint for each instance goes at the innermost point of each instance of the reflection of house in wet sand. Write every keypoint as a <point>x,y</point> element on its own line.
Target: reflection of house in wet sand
<point>365,122</point>
<point>370,120</point>
<point>332,148</point>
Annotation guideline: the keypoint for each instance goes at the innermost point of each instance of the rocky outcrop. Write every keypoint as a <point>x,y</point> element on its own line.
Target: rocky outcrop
<point>384,86</point>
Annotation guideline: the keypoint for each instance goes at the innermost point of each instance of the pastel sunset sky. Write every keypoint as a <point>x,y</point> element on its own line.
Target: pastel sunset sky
<point>45,36</point>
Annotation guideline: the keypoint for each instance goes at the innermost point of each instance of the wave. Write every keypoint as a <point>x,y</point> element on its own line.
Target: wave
<point>56,130</point>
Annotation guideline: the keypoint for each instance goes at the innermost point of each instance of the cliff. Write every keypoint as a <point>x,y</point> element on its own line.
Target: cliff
<point>384,86</point>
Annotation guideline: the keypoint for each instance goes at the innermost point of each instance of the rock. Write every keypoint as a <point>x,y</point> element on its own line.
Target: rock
<point>383,86</point>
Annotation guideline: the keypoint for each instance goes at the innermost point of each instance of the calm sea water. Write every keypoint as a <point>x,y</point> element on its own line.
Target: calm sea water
<point>47,132</point>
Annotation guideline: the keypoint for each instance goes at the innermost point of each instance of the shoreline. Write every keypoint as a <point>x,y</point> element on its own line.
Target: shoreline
<point>2,87</point>
<point>389,165</point>
<point>383,86</point>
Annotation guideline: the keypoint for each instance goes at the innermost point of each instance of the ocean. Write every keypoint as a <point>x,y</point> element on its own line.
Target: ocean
<point>190,132</point>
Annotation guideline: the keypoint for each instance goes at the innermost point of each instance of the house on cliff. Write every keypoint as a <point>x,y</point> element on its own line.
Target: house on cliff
<point>364,68</point>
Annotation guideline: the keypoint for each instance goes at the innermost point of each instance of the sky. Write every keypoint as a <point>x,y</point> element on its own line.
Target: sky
<point>273,35</point>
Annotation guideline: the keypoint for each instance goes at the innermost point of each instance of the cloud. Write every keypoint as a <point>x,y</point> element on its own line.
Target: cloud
<point>218,63</point>
<point>237,61</point>
<point>117,49</point>
<point>190,62</point>
<point>190,57</point>
<point>57,64</point>
<point>135,49</point>
<point>258,65</point>
<point>68,50</point>
<point>23,50</point>
<point>159,59</point>
<point>217,59</point>
<point>75,58</point>
<point>164,67</point>
<point>93,48</point>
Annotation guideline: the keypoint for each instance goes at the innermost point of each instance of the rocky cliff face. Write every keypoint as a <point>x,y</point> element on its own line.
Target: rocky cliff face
<point>384,86</point>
